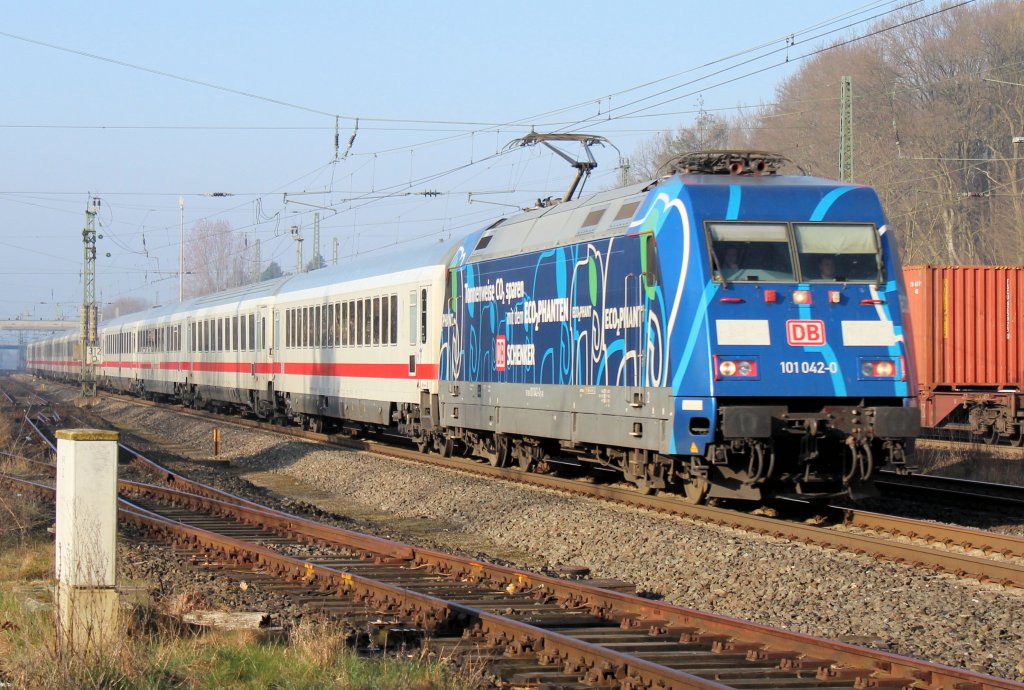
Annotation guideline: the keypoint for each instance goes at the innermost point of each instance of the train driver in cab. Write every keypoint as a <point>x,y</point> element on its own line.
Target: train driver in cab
<point>827,267</point>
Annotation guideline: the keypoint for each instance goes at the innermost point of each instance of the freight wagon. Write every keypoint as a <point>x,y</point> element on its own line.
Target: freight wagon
<point>968,339</point>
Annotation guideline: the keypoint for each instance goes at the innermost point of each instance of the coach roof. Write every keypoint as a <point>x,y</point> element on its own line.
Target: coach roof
<point>379,261</point>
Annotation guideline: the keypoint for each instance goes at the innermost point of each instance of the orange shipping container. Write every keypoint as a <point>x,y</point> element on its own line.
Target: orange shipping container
<point>968,326</point>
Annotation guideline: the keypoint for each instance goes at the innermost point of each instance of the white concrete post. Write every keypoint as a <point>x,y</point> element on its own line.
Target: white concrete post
<point>86,539</point>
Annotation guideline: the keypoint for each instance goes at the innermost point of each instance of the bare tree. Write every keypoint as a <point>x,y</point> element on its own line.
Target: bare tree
<point>216,258</point>
<point>709,131</point>
<point>933,123</point>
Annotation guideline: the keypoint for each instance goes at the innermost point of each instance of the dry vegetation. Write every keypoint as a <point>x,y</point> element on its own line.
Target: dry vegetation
<point>152,650</point>
<point>937,103</point>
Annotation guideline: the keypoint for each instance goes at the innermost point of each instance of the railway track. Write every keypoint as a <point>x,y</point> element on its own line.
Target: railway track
<point>1005,498</point>
<point>964,552</point>
<point>528,629</point>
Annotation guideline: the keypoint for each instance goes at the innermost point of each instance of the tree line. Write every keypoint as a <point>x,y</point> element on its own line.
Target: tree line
<point>937,103</point>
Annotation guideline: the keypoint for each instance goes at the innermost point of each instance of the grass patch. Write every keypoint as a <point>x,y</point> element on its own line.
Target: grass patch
<point>153,652</point>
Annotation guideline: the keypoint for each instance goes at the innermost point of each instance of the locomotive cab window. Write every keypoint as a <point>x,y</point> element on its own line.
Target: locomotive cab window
<point>838,253</point>
<point>751,252</point>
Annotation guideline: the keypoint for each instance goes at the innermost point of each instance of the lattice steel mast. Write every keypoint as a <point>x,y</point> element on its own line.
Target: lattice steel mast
<point>846,130</point>
<point>88,344</point>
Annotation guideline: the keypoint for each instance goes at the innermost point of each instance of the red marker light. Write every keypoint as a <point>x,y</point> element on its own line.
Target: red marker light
<point>834,296</point>
<point>770,296</point>
<point>801,297</point>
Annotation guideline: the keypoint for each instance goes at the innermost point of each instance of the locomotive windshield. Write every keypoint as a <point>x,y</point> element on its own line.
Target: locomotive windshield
<point>831,253</point>
<point>752,252</point>
<point>824,252</point>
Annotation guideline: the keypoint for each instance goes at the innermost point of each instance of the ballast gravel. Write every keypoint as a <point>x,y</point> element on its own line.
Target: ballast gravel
<point>807,589</point>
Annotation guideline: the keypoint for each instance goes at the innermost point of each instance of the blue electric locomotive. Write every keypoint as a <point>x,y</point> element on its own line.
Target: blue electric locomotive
<point>725,331</point>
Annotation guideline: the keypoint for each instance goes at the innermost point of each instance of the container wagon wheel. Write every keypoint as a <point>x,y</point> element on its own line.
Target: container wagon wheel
<point>990,436</point>
<point>1018,438</point>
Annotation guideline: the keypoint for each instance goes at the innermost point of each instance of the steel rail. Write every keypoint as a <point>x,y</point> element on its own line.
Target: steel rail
<point>914,555</point>
<point>840,664</point>
<point>948,489</point>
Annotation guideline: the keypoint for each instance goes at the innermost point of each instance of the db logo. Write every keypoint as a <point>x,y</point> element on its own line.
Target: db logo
<point>805,332</point>
<point>499,353</point>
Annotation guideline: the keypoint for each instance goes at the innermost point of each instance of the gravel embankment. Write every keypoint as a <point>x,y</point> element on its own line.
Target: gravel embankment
<point>806,589</point>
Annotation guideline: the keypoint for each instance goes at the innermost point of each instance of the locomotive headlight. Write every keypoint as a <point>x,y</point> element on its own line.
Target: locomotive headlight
<point>872,368</point>
<point>737,367</point>
<point>801,296</point>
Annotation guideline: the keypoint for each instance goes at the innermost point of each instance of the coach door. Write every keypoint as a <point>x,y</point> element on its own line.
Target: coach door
<point>423,335</point>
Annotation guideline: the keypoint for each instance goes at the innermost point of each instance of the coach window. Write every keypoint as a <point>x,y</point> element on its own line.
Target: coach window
<point>344,324</point>
<point>350,327</point>
<point>376,321</point>
<point>367,321</point>
<point>353,317</point>
<point>394,319</point>
<point>357,323</point>
<point>252,331</point>
<point>385,321</point>
<point>329,325</point>
<point>337,325</point>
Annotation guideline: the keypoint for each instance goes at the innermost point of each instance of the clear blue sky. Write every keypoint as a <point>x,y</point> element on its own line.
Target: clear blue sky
<point>438,88</point>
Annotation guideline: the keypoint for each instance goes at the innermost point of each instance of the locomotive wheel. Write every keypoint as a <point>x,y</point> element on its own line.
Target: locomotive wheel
<point>643,486</point>
<point>696,490</point>
<point>502,451</point>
